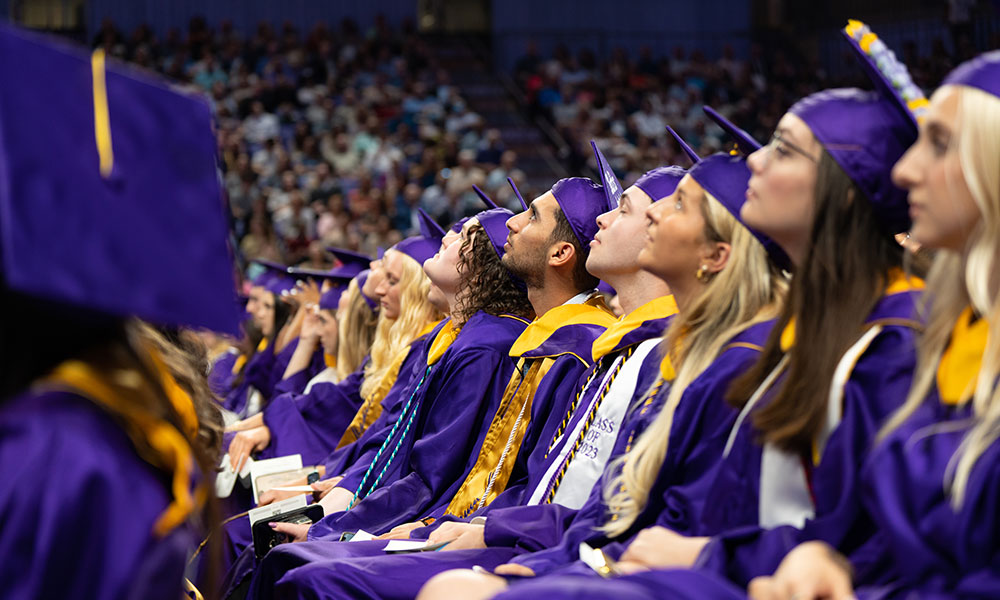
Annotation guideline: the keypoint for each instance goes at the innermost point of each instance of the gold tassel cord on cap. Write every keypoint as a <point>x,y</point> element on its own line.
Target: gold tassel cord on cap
<point>102,119</point>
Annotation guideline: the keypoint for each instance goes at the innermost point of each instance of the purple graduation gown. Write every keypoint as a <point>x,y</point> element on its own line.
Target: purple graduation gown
<point>265,370</point>
<point>238,558</point>
<point>91,535</point>
<point>566,345</point>
<point>513,530</point>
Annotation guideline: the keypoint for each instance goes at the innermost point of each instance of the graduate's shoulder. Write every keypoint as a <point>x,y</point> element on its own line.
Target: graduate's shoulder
<point>61,435</point>
<point>491,333</point>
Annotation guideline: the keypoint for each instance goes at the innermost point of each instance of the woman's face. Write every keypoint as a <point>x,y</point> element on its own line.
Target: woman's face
<point>389,290</point>
<point>442,268</point>
<point>374,279</point>
<point>264,315</point>
<point>253,299</point>
<point>781,196</point>
<point>675,236</point>
<point>329,331</point>
<point>941,205</point>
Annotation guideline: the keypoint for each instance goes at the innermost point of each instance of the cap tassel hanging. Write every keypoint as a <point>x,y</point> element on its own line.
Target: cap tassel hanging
<point>102,119</point>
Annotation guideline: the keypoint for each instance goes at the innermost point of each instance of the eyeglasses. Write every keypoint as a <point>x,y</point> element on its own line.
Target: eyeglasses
<point>782,147</point>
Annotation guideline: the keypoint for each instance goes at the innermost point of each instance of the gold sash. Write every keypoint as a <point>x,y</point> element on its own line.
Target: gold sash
<point>517,397</point>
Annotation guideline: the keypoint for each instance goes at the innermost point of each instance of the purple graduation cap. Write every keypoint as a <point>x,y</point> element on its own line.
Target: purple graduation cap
<point>744,142</point>
<point>524,205</point>
<point>351,263</point>
<point>423,246</point>
<point>490,204</point>
<point>280,284</point>
<point>867,132</point>
<point>660,182</point>
<point>612,188</point>
<point>361,278</point>
<point>494,223</point>
<point>688,150</point>
<point>267,272</point>
<point>582,201</point>
<point>981,72</point>
<point>428,226</point>
<point>379,252</point>
<point>109,193</point>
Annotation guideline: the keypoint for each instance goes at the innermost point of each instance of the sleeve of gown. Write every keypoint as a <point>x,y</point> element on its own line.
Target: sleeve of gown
<point>529,528</point>
<point>877,386</point>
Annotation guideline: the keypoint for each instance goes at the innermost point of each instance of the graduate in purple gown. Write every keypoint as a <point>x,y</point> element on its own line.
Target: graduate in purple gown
<point>931,482</point>
<point>263,369</point>
<point>448,407</point>
<point>708,258</point>
<point>102,220</point>
<point>791,467</point>
<point>313,432</point>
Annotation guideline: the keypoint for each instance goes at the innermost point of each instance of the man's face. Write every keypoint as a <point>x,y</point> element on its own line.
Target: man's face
<point>529,239</point>
<point>621,236</point>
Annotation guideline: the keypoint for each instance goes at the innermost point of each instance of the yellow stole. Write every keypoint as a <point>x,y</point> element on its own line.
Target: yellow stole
<point>958,369</point>
<point>658,308</point>
<point>371,408</point>
<point>489,475</point>
<point>170,448</point>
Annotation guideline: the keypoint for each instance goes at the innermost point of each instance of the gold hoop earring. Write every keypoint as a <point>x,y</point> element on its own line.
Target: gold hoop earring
<point>702,273</point>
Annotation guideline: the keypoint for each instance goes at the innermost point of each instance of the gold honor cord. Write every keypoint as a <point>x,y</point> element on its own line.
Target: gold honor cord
<point>102,120</point>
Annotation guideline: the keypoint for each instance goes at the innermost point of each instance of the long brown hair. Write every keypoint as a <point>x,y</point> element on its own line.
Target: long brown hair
<point>832,292</point>
<point>485,284</point>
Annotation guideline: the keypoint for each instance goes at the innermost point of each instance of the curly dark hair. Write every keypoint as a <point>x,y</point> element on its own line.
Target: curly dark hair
<point>485,284</point>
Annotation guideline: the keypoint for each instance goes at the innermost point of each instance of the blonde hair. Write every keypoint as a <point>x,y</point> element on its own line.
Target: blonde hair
<point>952,288</point>
<point>749,289</point>
<point>356,330</point>
<point>393,336</point>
